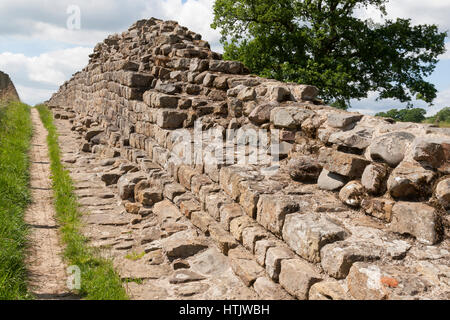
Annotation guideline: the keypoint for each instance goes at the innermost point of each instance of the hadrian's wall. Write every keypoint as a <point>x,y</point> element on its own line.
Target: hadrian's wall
<point>325,203</point>
<point>7,89</point>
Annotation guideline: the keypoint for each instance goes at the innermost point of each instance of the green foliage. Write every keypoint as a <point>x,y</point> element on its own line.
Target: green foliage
<point>441,116</point>
<point>322,43</point>
<point>15,135</point>
<point>99,281</point>
<point>405,115</point>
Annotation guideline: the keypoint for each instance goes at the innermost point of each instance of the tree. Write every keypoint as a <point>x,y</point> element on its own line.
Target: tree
<point>323,43</point>
<point>441,116</point>
<point>405,115</point>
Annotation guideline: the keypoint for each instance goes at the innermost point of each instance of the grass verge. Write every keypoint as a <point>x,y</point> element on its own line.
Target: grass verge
<point>99,281</point>
<point>15,136</point>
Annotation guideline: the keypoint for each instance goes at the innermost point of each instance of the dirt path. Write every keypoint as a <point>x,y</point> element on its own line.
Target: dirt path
<point>47,271</point>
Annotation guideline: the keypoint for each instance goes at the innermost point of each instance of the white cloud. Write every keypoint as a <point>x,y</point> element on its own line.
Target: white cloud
<point>419,11</point>
<point>36,77</point>
<point>446,56</point>
<point>47,20</point>
<point>197,15</point>
<point>33,95</point>
<point>370,106</point>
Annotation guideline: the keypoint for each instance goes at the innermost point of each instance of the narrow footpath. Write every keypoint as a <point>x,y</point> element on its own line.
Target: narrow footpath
<point>47,271</point>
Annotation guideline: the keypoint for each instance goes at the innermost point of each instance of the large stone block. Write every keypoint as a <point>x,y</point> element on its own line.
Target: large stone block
<point>245,266</point>
<point>307,233</point>
<point>127,183</point>
<point>331,181</point>
<point>346,164</point>
<point>137,80</point>
<point>342,120</point>
<point>160,100</point>
<point>213,203</point>
<point>274,257</point>
<point>297,277</point>
<point>391,147</point>
<point>443,192</point>
<point>289,117</point>
<point>272,210</point>
<point>238,225</point>
<point>228,212</point>
<point>170,119</point>
<point>268,290</point>
<point>338,257</point>
<point>417,219</point>
<point>373,178</point>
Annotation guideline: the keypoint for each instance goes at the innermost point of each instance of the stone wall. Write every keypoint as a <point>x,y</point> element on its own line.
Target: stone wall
<point>325,204</point>
<point>7,89</point>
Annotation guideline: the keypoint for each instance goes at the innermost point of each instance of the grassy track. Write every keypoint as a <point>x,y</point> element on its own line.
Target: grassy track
<point>99,281</point>
<point>15,136</point>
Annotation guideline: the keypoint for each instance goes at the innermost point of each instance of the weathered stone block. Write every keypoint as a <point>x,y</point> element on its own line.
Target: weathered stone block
<point>346,164</point>
<point>297,277</point>
<point>202,220</point>
<point>228,212</point>
<point>245,266</point>
<point>410,180</point>
<point>379,208</point>
<point>331,181</point>
<point>391,147</point>
<point>214,202</point>
<point>416,219</point>
<point>127,183</point>
<point>268,290</point>
<point>289,117</point>
<point>251,235</point>
<point>373,178</point>
<point>170,119</point>
<point>338,257</point>
<point>272,210</point>
<point>307,233</point>
<point>342,120</point>
<point>189,206</point>
<point>443,192</point>
<point>274,257</point>
<point>223,239</point>
<point>238,225</point>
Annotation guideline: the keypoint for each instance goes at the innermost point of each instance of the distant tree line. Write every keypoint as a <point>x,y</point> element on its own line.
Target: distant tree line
<point>416,115</point>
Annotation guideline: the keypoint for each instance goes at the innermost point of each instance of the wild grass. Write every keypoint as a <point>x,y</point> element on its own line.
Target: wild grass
<point>15,137</point>
<point>99,281</point>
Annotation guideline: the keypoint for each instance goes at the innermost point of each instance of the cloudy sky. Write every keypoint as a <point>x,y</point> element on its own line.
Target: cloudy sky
<point>40,52</point>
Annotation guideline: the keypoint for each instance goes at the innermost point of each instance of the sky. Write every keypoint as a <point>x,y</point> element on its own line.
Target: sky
<point>42,44</point>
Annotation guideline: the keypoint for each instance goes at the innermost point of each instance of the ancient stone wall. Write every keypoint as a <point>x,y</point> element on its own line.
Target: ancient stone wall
<point>324,203</point>
<point>7,89</point>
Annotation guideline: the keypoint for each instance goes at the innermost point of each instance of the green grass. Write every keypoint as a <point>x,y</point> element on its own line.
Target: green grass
<point>99,281</point>
<point>135,256</point>
<point>15,136</point>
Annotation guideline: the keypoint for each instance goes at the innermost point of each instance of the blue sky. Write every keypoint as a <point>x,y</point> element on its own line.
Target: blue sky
<point>39,52</point>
